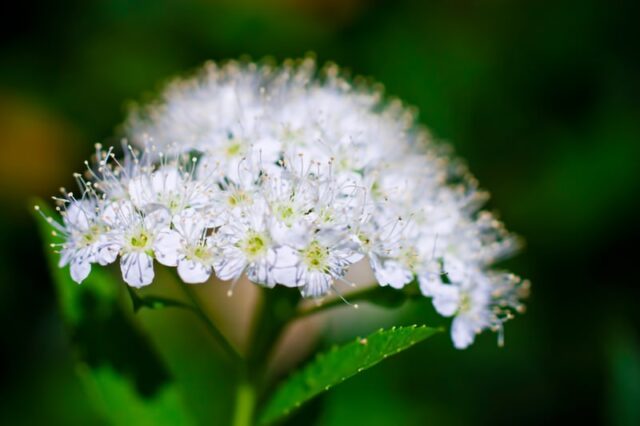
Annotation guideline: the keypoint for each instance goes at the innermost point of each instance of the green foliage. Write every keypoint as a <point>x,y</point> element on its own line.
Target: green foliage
<point>624,371</point>
<point>153,302</point>
<point>332,368</point>
<point>117,399</point>
<point>120,369</point>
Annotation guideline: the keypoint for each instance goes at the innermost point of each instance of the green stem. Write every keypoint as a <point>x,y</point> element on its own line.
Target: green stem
<point>352,297</point>
<point>155,302</point>
<point>265,329</point>
<point>245,403</point>
<point>382,296</point>
<point>275,310</point>
<point>211,327</point>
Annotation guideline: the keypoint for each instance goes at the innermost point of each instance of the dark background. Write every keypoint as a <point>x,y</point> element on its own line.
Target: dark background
<point>541,99</point>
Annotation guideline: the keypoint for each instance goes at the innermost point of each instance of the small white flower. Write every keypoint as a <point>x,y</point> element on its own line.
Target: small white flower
<point>290,204</point>
<point>187,246</point>
<point>163,187</point>
<point>133,236</point>
<point>392,252</point>
<point>467,299</point>
<point>315,265</point>
<point>391,272</point>
<point>166,187</point>
<point>84,234</point>
<point>473,315</point>
<point>246,246</point>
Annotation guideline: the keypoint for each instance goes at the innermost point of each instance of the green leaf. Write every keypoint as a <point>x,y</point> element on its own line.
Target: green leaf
<point>116,397</point>
<point>124,376</point>
<point>332,368</point>
<point>154,302</point>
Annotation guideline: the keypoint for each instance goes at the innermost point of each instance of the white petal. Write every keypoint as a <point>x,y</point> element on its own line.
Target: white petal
<point>285,262</point>
<point>118,212</point>
<point>354,257</point>
<point>157,219</point>
<point>463,332</point>
<point>193,272</point>
<point>446,299</point>
<point>65,257</point>
<point>428,281</point>
<point>167,247</point>
<point>85,254</point>
<point>166,181</point>
<point>80,269</point>
<point>107,253</point>
<point>231,265</point>
<point>454,269</point>
<point>268,150</point>
<point>316,284</point>
<point>261,272</point>
<point>78,213</point>
<point>190,224</point>
<point>140,191</point>
<point>296,235</point>
<point>392,273</point>
<point>137,269</point>
<point>197,195</point>
<point>207,168</point>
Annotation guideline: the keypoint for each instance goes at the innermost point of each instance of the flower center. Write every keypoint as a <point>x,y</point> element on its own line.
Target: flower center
<point>91,236</point>
<point>233,148</point>
<point>365,241</point>
<point>465,302</point>
<point>285,213</point>
<point>139,240</point>
<point>202,253</point>
<point>237,198</point>
<point>254,245</point>
<point>410,257</point>
<point>325,215</point>
<point>315,256</point>
<point>174,203</point>
<point>376,190</point>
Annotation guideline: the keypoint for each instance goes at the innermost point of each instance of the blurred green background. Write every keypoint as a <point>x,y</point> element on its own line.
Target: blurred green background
<point>541,99</point>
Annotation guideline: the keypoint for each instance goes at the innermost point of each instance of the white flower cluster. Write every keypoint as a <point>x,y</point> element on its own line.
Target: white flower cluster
<point>290,176</point>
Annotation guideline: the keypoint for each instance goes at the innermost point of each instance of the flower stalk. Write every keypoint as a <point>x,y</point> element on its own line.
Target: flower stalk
<point>245,403</point>
<point>213,330</point>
